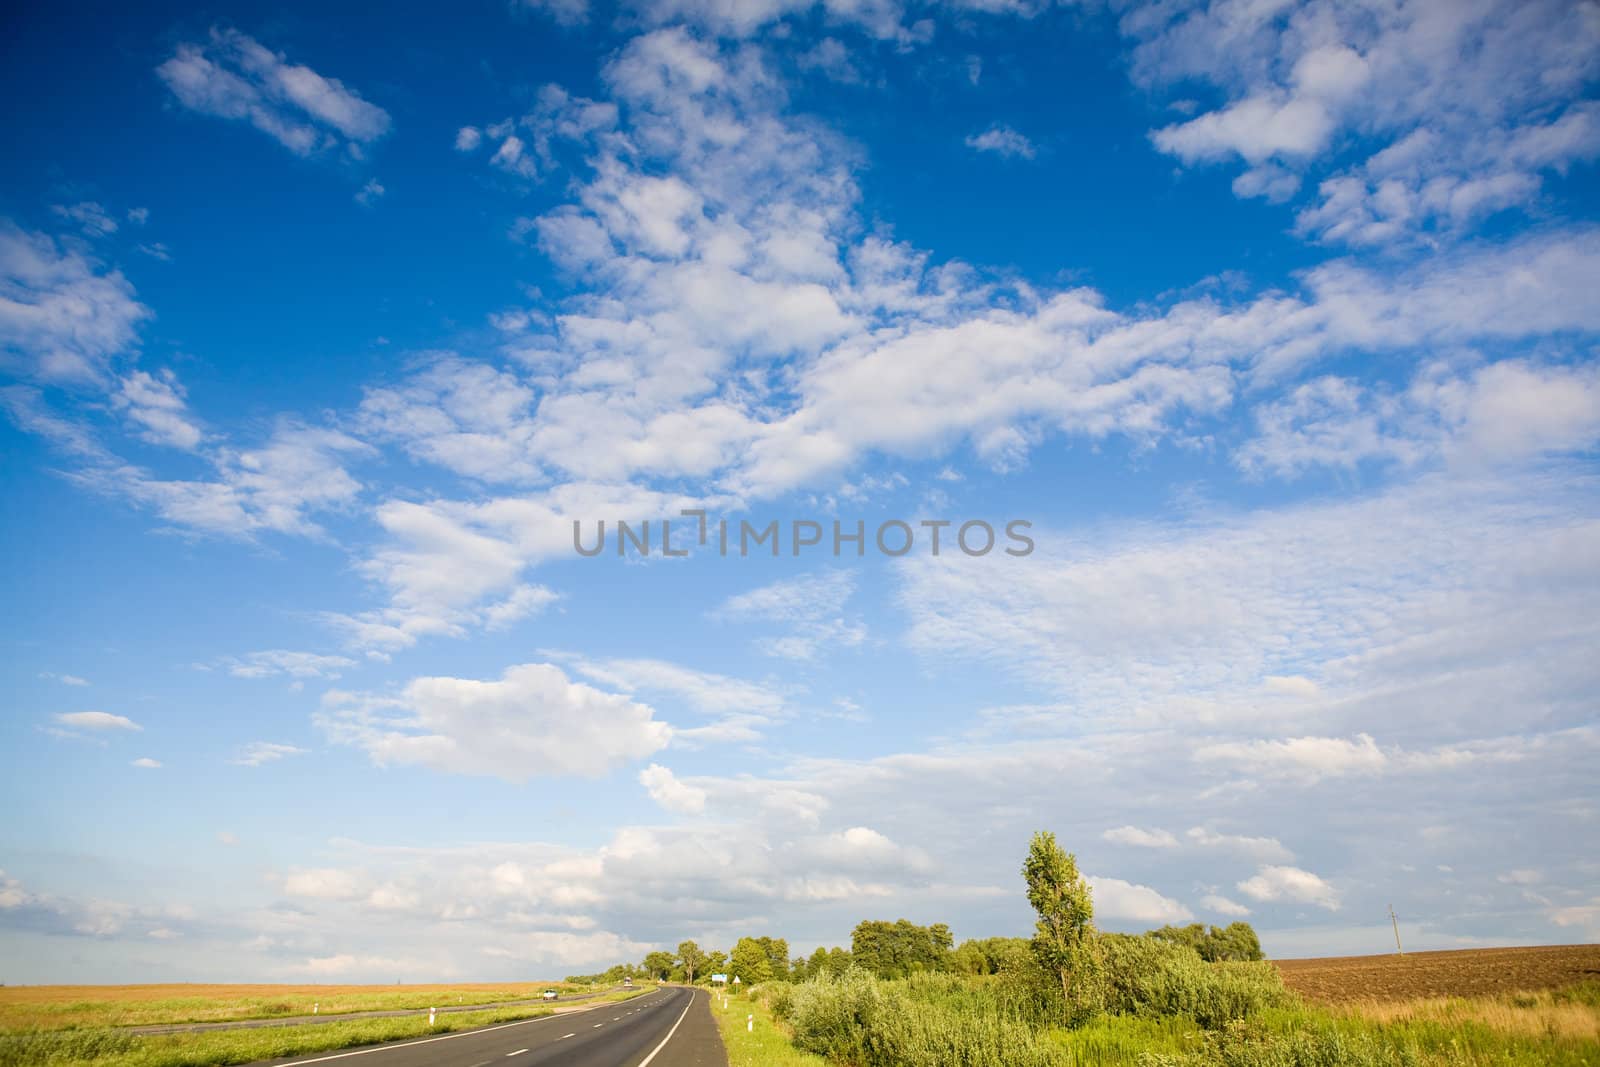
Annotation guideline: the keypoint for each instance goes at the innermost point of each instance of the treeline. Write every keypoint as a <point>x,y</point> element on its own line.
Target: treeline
<point>897,949</point>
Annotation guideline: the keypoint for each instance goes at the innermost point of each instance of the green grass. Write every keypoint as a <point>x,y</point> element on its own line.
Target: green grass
<point>765,1045</point>
<point>106,1047</point>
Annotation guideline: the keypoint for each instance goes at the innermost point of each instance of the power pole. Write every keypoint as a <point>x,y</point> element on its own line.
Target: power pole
<point>1395,922</point>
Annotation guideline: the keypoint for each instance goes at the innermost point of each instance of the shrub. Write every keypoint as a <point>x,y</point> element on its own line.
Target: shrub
<point>1149,976</point>
<point>831,1015</point>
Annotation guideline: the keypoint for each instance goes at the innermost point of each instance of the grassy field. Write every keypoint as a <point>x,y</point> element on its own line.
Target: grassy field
<point>58,1007</point>
<point>102,1046</point>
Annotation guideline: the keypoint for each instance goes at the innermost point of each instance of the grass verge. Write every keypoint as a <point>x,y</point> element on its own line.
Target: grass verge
<point>764,1045</point>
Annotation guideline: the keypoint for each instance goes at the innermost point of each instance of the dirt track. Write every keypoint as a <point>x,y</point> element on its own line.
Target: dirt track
<point>1464,973</point>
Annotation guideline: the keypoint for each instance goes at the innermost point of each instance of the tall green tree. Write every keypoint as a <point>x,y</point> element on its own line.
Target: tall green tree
<point>692,958</point>
<point>750,962</point>
<point>659,964</point>
<point>1064,938</point>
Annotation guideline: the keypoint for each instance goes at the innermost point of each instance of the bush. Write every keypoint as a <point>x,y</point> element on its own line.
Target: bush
<point>928,1021</point>
<point>832,1015</point>
<point>1149,976</point>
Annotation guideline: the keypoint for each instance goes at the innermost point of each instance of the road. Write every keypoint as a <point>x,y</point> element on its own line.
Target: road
<point>670,1027</point>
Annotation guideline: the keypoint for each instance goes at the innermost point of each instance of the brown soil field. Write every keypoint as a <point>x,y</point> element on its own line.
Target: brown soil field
<point>1460,973</point>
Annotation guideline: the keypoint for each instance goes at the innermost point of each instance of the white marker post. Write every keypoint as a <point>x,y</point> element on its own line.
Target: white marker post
<point>314,1007</point>
<point>430,1018</point>
<point>750,1024</point>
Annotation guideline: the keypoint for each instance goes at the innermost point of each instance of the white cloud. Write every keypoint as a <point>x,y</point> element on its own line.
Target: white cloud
<point>62,316</point>
<point>96,720</point>
<point>232,76</point>
<point>468,138</point>
<point>810,608</point>
<point>284,662</point>
<point>1463,125</point>
<point>89,216</point>
<point>369,193</point>
<point>1182,621</point>
<point>155,404</point>
<point>1223,906</point>
<point>1002,140</point>
<point>257,753</point>
<point>1495,413</point>
<point>665,789</point>
<point>64,679</point>
<point>146,763</point>
<point>1117,899</point>
<point>1140,838</point>
<point>1290,883</point>
<point>531,722</point>
<point>1264,849</point>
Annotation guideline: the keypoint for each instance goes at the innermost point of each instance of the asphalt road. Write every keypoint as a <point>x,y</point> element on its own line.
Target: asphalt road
<point>667,1028</point>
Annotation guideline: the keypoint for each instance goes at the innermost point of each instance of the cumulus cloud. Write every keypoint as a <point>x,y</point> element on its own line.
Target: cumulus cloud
<point>1290,883</point>
<point>1117,899</point>
<point>1223,906</point>
<point>232,76</point>
<point>665,789</point>
<point>96,720</point>
<point>531,722</point>
<point>1140,838</point>
<point>1460,125</point>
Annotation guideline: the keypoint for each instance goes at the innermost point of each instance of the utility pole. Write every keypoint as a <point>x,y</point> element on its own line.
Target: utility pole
<point>1395,922</point>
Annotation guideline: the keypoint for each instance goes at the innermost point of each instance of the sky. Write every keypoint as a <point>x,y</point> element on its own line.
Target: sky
<point>1262,335</point>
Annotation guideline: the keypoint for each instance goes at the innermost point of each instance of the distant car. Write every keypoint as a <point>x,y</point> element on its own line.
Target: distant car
<point>627,983</point>
<point>549,994</point>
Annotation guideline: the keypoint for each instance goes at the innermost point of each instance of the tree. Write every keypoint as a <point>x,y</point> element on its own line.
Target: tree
<point>692,958</point>
<point>1064,939</point>
<point>894,950</point>
<point>750,962</point>
<point>716,962</point>
<point>1236,941</point>
<point>658,964</point>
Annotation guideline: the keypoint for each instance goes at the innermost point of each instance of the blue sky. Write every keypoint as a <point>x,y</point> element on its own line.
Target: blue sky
<point>319,330</point>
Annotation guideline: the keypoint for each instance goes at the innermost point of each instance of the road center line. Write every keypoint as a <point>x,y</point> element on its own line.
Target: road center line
<point>519,1052</point>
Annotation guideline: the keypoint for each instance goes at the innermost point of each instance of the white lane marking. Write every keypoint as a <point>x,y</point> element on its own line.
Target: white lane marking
<point>563,1037</point>
<point>519,1052</point>
<point>441,1037</point>
<point>597,1026</point>
<point>655,1051</point>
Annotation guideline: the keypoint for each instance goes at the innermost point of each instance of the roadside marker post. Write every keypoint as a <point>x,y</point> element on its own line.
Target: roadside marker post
<point>750,1023</point>
<point>430,1018</point>
<point>314,1006</point>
